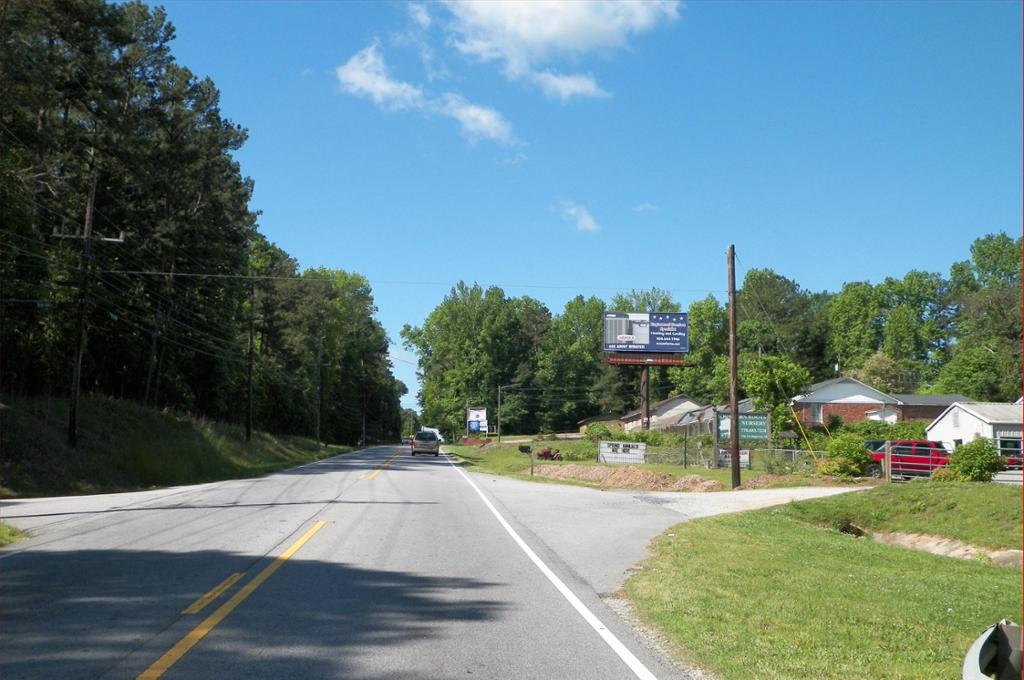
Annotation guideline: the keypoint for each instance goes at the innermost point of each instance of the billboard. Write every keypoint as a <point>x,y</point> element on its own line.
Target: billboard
<point>643,332</point>
<point>476,419</point>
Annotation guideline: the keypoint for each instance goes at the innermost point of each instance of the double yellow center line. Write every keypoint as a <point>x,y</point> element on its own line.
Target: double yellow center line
<point>383,465</point>
<point>161,665</point>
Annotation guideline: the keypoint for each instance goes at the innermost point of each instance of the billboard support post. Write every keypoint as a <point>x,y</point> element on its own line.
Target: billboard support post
<point>645,396</point>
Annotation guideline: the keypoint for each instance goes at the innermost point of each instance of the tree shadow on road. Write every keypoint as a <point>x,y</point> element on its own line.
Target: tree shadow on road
<point>88,613</point>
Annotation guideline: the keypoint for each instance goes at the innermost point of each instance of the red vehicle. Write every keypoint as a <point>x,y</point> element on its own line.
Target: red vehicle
<point>916,458</point>
<point>910,458</point>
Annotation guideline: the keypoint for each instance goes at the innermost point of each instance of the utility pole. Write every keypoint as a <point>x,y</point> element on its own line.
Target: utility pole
<point>83,293</point>
<point>465,417</point>
<point>248,376</point>
<point>319,385</point>
<point>499,414</point>
<point>734,416</point>
<point>83,297</point>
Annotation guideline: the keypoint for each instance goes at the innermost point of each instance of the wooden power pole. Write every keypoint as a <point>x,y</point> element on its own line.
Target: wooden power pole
<point>734,416</point>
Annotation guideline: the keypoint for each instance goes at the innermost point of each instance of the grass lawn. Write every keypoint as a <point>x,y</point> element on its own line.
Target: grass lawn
<point>9,534</point>
<point>123,446</point>
<point>766,595</point>
<point>505,459</point>
<point>987,515</point>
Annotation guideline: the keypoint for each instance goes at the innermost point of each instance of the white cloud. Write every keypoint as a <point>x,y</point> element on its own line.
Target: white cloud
<point>523,35</point>
<point>644,207</point>
<point>419,14</point>
<point>566,87</point>
<point>572,212</point>
<point>477,121</point>
<point>366,75</point>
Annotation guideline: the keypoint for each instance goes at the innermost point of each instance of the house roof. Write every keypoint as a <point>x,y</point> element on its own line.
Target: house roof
<point>635,413</point>
<point>706,413</point>
<point>931,399</point>
<point>992,413</point>
<point>886,398</point>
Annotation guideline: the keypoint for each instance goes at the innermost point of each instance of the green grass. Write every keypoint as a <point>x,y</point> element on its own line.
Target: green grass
<point>505,459</point>
<point>123,445</point>
<point>9,534</point>
<point>987,515</point>
<point>764,595</point>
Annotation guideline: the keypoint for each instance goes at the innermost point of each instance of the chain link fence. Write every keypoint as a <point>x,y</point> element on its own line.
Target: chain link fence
<point>770,461</point>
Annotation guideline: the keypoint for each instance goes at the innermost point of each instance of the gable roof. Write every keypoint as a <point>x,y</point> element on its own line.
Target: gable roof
<point>706,413</point>
<point>816,387</point>
<point>931,399</point>
<point>991,413</point>
<point>636,412</point>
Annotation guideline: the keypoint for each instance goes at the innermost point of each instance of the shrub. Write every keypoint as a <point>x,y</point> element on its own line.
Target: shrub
<point>947,475</point>
<point>597,431</point>
<point>976,461</point>
<point>845,455</point>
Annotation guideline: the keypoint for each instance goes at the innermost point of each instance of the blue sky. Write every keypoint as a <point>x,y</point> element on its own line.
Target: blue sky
<point>564,148</point>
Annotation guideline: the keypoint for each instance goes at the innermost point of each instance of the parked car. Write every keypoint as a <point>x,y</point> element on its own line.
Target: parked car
<point>910,458</point>
<point>425,441</point>
<point>918,458</point>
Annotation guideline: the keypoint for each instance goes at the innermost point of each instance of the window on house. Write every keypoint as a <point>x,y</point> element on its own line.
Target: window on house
<point>816,416</point>
<point>957,443</point>
<point>956,417</point>
<point>1009,447</point>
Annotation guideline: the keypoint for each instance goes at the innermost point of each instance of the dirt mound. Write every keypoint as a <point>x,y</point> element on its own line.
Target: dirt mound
<point>586,473</point>
<point>628,477</point>
<point>765,481</point>
<point>472,441</point>
<point>695,483</point>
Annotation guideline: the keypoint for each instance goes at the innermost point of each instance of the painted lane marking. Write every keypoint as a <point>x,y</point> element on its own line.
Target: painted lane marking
<point>639,669</point>
<point>386,463</point>
<point>217,591</point>
<point>175,653</point>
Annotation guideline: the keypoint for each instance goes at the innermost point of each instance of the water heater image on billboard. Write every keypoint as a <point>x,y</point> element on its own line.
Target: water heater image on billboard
<point>642,332</point>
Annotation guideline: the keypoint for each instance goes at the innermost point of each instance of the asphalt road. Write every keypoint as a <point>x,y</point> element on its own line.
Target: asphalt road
<point>369,565</point>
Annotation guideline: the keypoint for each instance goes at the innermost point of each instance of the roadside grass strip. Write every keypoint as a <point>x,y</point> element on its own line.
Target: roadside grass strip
<point>381,467</point>
<point>179,650</point>
<point>987,515</point>
<point>506,460</point>
<point>763,595</point>
<point>9,534</point>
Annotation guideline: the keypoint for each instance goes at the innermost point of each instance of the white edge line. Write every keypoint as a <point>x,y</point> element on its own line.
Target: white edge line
<point>635,665</point>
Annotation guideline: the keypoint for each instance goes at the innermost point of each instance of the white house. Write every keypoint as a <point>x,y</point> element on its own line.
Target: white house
<point>664,413</point>
<point>961,423</point>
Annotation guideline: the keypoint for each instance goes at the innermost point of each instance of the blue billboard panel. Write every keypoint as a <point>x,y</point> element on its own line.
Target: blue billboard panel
<point>642,332</point>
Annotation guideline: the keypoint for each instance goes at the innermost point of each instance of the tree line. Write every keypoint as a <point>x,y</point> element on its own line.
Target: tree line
<point>924,332</point>
<point>102,130</point>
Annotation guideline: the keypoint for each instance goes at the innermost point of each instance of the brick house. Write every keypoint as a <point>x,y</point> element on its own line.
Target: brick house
<point>853,401</point>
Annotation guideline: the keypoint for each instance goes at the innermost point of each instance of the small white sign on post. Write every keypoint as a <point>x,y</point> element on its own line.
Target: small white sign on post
<point>621,452</point>
<point>725,458</point>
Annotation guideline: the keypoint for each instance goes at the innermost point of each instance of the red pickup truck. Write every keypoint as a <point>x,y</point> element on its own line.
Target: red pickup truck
<point>917,458</point>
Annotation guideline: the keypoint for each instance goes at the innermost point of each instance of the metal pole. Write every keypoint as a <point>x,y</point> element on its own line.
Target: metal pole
<point>734,416</point>
<point>645,397</point>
